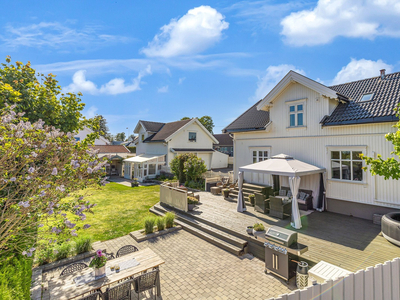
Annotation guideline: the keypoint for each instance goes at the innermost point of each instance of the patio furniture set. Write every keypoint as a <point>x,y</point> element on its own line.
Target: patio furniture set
<point>223,184</point>
<point>139,271</point>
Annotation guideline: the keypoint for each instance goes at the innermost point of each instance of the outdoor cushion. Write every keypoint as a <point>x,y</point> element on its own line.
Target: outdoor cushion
<point>289,193</point>
<point>302,201</point>
<point>282,192</point>
<point>303,196</point>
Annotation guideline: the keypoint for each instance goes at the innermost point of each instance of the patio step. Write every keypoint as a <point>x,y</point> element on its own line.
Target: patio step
<point>213,235</point>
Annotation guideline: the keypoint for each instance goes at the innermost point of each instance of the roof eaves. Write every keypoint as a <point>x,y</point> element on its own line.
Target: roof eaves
<point>361,121</point>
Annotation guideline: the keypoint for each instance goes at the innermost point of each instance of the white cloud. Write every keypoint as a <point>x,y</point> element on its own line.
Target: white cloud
<point>196,31</point>
<point>333,18</point>
<point>54,35</point>
<point>163,89</point>
<point>272,76</point>
<point>360,69</point>
<point>181,80</point>
<point>113,87</point>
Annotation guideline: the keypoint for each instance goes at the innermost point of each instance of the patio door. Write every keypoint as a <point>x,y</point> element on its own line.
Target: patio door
<point>127,170</point>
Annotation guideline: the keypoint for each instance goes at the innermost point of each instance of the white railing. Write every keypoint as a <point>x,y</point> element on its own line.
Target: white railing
<point>174,197</point>
<point>375,283</point>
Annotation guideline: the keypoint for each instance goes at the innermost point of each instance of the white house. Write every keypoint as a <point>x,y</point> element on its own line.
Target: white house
<point>327,127</point>
<point>82,134</point>
<point>158,143</point>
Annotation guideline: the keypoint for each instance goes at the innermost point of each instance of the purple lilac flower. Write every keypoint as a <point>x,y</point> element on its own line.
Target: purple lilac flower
<point>40,225</point>
<point>28,177</point>
<point>29,254</point>
<point>54,171</point>
<point>24,253</point>
<point>47,186</point>
<point>73,233</point>
<point>86,226</point>
<point>83,217</point>
<point>69,224</point>
<point>31,169</point>
<point>51,211</point>
<point>42,194</point>
<point>64,215</point>
<point>81,197</point>
<point>12,179</point>
<point>24,204</point>
<point>60,188</point>
<point>89,170</point>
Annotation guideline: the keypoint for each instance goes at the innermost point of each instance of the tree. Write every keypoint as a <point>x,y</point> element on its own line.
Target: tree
<point>131,137</point>
<point>40,167</point>
<point>206,121</point>
<point>120,137</point>
<point>40,98</point>
<point>188,167</point>
<point>389,168</point>
<point>102,128</point>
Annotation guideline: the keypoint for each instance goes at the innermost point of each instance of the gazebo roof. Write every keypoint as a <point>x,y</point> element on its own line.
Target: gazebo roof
<point>283,165</point>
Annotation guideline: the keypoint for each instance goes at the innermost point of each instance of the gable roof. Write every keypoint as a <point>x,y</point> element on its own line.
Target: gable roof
<point>251,120</point>
<point>166,131</point>
<point>224,139</point>
<point>111,149</point>
<point>151,126</point>
<point>379,109</point>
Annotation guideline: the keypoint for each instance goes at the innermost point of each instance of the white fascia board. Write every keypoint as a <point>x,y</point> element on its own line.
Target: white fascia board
<point>137,128</point>
<point>189,123</point>
<point>295,77</point>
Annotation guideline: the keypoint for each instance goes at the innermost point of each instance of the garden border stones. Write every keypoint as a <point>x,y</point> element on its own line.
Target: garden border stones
<point>139,235</point>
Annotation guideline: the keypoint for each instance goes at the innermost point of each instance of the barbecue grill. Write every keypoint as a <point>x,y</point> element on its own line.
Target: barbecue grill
<point>282,251</point>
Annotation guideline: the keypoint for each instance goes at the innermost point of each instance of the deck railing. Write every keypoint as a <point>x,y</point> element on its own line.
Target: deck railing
<point>374,283</point>
<point>174,197</point>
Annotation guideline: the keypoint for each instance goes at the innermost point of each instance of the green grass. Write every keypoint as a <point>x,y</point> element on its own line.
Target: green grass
<point>15,278</point>
<point>120,210</point>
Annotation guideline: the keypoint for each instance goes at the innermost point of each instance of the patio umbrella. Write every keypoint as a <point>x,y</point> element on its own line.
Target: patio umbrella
<point>241,206</point>
<point>294,183</point>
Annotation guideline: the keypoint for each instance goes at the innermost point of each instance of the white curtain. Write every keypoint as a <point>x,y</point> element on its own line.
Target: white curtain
<point>294,183</point>
<point>241,207</point>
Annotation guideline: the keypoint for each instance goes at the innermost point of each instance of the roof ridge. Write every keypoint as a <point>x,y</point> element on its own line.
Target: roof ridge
<point>363,79</point>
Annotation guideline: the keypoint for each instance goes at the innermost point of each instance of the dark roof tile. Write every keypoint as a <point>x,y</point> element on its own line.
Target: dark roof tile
<point>166,130</point>
<point>152,126</point>
<point>224,139</point>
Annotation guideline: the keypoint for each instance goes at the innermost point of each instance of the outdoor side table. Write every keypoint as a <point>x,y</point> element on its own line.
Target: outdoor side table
<point>215,190</point>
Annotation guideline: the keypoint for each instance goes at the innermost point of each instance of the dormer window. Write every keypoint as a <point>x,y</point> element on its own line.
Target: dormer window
<point>192,136</point>
<point>367,97</point>
<point>296,115</point>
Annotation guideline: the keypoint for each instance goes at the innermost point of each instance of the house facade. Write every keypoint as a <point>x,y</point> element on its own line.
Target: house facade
<point>328,127</point>
<point>82,134</point>
<point>158,143</point>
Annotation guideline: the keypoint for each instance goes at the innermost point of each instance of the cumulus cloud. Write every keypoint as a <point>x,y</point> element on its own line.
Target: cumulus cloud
<point>272,76</point>
<point>333,18</point>
<point>360,69</point>
<point>113,87</point>
<point>196,31</point>
<point>163,89</point>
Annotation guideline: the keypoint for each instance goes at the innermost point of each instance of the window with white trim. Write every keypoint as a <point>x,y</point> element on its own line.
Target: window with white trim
<point>296,115</point>
<point>259,155</point>
<point>192,136</point>
<point>346,165</point>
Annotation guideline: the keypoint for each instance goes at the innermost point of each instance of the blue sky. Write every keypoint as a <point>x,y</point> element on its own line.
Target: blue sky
<point>163,60</point>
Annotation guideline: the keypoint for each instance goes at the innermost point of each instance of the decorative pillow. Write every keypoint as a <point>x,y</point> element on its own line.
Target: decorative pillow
<point>303,196</point>
<point>289,194</point>
<point>282,192</point>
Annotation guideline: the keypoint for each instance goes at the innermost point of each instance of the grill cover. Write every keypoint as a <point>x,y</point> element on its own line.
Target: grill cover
<point>281,236</point>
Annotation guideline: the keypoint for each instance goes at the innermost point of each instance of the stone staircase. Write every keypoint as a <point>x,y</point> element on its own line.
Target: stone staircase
<point>248,188</point>
<point>208,231</point>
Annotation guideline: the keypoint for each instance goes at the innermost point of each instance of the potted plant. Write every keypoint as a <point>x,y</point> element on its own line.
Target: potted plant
<point>134,182</point>
<point>252,198</point>
<point>226,192</point>
<point>259,230</point>
<point>249,229</point>
<point>99,263</point>
<point>192,201</point>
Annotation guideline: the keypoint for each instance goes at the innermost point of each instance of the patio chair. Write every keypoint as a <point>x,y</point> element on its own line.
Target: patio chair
<point>147,281</point>
<point>109,256</point>
<point>279,208</point>
<point>261,204</point>
<point>126,250</point>
<point>305,200</point>
<point>282,192</point>
<point>121,291</point>
<point>72,268</point>
<point>94,296</point>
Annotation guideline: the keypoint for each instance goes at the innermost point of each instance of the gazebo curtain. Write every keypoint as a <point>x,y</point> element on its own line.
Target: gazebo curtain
<point>294,183</point>
<point>241,206</point>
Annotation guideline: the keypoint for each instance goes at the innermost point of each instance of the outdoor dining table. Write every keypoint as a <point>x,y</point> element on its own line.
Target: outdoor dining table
<point>64,287</point>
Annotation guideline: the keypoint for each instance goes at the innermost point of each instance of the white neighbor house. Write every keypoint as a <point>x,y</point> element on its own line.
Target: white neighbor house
<point>327,127</point>
<point>158,143</point>
<point>82,134</point>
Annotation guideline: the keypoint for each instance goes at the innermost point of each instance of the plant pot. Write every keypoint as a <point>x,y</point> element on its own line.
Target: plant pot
<point>259,234</point>
<point>134,184</point>
<point>226,194</point>
<point>100,271</point>
<point>191,206</point>
<point>249,229</point>
<point>252,200</point>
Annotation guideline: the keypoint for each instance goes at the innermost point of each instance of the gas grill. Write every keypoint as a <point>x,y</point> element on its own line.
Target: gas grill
<point>282,251</point>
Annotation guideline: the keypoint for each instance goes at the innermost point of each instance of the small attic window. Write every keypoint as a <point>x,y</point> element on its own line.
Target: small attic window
<point>367,97</point>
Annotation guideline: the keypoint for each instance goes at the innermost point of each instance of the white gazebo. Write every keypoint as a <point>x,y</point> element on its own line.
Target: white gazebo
<point>142,166</point>
<point>283,165</point>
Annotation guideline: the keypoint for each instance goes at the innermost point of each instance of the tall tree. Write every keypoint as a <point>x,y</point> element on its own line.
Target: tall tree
<point>41,97</point>
<point>120,137</point>
<point>206,121</point>
<point>185,118</point>
<point>390,167</point>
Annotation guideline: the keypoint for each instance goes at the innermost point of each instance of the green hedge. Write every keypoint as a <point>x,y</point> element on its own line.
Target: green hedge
<point>15,278</point>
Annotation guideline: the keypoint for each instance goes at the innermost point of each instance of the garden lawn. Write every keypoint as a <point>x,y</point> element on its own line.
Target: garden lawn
<point>120,210</point>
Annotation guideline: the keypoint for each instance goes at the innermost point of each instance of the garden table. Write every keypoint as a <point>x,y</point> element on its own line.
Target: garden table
<point>64,287</point>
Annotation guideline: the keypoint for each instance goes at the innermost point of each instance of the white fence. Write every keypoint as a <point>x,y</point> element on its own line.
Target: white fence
<point>174,197</point>
<point>381,282</point>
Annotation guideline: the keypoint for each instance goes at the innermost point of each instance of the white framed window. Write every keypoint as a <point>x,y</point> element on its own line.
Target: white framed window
<point>260,155</point>
<point>296,114</point>
<point>367,97</point>
<point>346,165</point>
<point>192,136</point>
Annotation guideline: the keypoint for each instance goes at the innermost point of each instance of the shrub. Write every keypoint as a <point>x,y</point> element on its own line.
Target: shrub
<point>83,244</point>
<point>15,278</point>
<point>149,225</point>
<point>160,223</point>
<point>192,200</point>
<point>45,255</point>
<point>198,185</point>
<point>258,227</point>
<point>62,251</point>
<point>169,219</point>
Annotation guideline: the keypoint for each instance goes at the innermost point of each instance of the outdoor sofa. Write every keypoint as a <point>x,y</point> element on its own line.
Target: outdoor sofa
<point>305,203</point>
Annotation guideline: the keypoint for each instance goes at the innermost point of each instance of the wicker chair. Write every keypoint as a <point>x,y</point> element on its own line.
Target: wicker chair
<point>121,291</point>
<point>260,203</point>
<point>126,250</point>
<point>94,296</point>
<point>73,268</point>
<point>147,281</point>
<point>279,209</point>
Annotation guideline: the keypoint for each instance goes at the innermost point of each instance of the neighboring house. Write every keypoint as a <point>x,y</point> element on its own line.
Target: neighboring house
<point>81,135</point>
<point>328,127</point>
<point>158,143</point>
<point>225,143</point>
<point>116,154</point>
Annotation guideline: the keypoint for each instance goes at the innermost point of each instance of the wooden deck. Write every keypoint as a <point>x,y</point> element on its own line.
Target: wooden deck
<point>348,242</point>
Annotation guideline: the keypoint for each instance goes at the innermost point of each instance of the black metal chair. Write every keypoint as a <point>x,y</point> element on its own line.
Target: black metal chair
<point>110,255</point>
<point>73,268</point>
<point>121,291</point>
<point>95,296</point>
<point>126,250</point>
<point>147,281</point>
